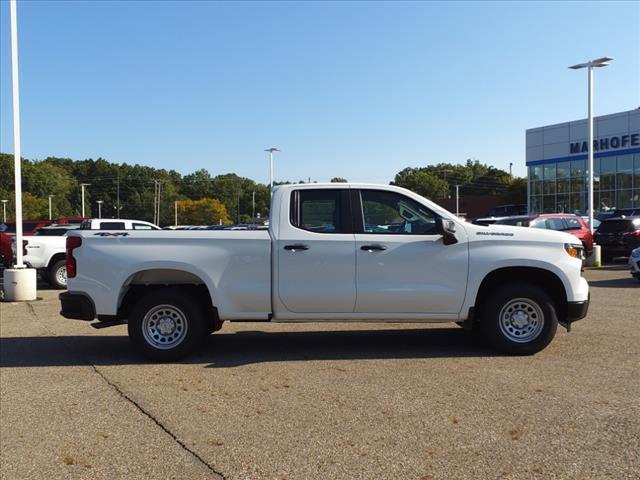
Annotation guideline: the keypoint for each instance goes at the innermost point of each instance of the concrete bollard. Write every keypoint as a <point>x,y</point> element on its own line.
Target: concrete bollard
<point>595,259</point>
<point>19,284</point>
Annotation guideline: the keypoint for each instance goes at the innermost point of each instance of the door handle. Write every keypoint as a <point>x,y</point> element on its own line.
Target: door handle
<point>295,247</point>
<point>371,248</point>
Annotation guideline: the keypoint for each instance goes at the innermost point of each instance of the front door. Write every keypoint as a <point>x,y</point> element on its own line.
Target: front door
<point>403,266</point>
<point>316,253</point>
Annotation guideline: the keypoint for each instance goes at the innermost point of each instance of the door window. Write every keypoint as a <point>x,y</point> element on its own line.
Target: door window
<point>391,213</point>
<point>142,226</point>
<point>318,211</point>
<point>573,224</point>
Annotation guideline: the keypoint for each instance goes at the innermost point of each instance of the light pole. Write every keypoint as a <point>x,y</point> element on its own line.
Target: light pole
<point>82,185</point>
<point>99,202</point>
<point>590,65</point>
<point>271,150</point>
<point>4,211</point>
<point>50,197</point>
<point>175,212</point>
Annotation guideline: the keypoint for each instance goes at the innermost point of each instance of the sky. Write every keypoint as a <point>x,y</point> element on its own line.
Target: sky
<point>358,90</point>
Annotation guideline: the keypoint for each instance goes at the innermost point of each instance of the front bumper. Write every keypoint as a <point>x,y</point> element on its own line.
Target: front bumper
<point>577,310</point>
<point>77,306</point>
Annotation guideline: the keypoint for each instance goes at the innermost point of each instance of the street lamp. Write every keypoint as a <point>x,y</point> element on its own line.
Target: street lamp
<point>590,65</point>
<point>83,185</point>
<point>4,211</point>
<point>50,197</point>
<point>271,150</point>
<point>99,202</point>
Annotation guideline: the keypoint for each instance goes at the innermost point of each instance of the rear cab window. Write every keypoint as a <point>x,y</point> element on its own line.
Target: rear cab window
<point>321,210</point>
<point>112,226</point>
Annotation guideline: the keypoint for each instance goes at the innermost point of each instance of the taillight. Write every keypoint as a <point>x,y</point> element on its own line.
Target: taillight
<point>72,243</point>
<point>632,234</point>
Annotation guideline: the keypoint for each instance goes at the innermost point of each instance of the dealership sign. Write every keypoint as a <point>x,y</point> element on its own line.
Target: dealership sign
<point>607,143</point>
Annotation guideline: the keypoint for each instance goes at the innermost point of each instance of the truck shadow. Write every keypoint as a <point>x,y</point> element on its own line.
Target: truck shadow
<point>225,350</point>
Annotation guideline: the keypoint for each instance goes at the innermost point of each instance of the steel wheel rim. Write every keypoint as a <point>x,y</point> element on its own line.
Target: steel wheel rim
<point>521,320</point>
<point>164,327</point>
<point>61,275</point>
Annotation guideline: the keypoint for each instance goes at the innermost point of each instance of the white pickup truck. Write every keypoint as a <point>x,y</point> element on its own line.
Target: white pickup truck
<point>46,249</point>
<point>335,252</point>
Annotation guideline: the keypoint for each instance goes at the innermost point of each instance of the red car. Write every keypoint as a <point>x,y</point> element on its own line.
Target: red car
<point>565,222</point>
<point>29,227</point>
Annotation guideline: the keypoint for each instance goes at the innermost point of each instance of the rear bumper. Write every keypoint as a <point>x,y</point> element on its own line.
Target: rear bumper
<point>77,306</point>
<point>577,310</point>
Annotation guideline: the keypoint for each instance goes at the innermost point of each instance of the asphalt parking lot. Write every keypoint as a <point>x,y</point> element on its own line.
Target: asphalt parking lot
<point>334,401</point>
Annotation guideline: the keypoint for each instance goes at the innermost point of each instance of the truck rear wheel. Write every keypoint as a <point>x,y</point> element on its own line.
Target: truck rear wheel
<point>519,319</point>
<point>166,325</point>
<point>57,275</point>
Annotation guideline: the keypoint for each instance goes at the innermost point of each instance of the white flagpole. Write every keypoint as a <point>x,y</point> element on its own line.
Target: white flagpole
<point>16,132</point>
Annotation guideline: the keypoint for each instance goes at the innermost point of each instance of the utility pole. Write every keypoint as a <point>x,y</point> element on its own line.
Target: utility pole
<point>457,200</point>
<point>50,196</point>
<point>175,213</point>
<point>99,202</point>
<point>159,192</point>
<point>253,207</point>
<point>118,194</point>
<point>271,150</point>
<point>510,170</point>
<point>4,211</point>
<point>82,185</point>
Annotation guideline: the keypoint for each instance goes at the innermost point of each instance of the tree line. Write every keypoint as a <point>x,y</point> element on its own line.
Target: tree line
<point>131,191</point>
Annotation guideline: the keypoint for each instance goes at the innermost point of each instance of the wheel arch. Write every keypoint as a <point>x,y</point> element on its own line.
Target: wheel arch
<point>144,281</point>
<point>56,257</point>
<point>544,279</point>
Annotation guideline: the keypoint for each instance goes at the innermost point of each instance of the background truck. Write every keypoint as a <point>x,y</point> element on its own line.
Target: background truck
<point>335,252</point>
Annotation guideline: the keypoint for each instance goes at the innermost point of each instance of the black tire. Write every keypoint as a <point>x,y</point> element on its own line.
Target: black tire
<point>536,325</point>
<point>182,331</point>
<point>55,273</point>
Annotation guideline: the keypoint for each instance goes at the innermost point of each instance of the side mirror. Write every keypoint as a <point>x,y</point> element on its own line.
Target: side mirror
<point>447,228</point>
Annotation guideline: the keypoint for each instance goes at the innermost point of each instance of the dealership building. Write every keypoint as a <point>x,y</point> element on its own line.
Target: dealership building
<point>557,164</point>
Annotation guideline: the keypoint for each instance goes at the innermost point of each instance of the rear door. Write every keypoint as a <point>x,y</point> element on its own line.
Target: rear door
<point>403,266</point>
<point>316,253</point>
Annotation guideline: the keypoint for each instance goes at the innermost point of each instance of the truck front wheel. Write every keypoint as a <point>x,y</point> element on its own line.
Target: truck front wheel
<point>519,319</point>
<point>166,325</point>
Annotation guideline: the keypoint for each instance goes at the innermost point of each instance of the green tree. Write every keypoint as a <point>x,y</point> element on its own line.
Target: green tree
<point>205,211</point>
<point>421,182</point>
<point>339,180</point>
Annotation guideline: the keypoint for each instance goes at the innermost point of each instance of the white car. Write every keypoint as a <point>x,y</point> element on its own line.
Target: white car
<point>634,263</point>
<point>333,252</point>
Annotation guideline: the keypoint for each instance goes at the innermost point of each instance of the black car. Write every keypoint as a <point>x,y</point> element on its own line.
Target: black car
<point>618,236</point>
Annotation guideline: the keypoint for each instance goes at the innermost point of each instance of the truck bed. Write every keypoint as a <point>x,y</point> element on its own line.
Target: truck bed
<point>235,266</point>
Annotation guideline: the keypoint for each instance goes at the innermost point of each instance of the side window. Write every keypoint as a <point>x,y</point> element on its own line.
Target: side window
<point>573,224</point>
<point>317,211</point>
<point>540,223</point>
<point>392,213</point>
<point>556,224</point>
<point>142,226</point>
<point>111,225</point>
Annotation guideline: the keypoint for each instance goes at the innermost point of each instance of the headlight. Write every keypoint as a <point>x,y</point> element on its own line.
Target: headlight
<point>636,253</point>
<point>575,251</point>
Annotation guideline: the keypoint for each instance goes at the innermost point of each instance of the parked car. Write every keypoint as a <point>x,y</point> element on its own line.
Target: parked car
<point>499,212</point>
<point>116,224</point>
<point>563,222</point>
<point>634,263</point>
<point>29,227</point>
<point>419,264</point>
<point>46,252</point>
<point>618,237</point>
<point>626,212</point>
